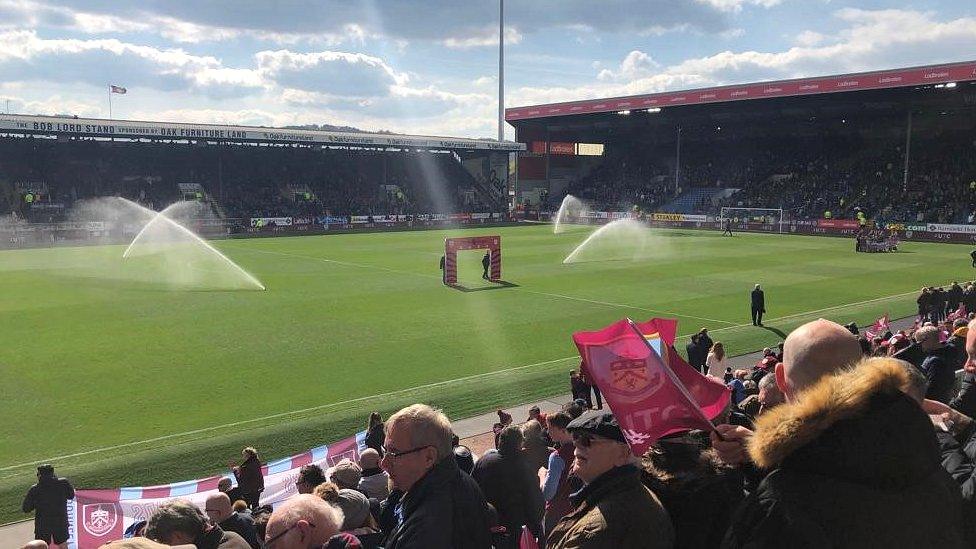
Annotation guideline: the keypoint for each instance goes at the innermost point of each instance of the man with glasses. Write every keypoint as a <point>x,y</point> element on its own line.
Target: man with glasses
<point>442,507</point>
<point>180,522</point>
<point>613,510</point>
<point>302,522</point>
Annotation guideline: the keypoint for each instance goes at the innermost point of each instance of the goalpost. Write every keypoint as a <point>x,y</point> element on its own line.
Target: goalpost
<point>766,216</point>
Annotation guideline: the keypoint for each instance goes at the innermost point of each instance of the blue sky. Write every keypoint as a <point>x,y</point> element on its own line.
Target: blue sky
<point>429,66</point>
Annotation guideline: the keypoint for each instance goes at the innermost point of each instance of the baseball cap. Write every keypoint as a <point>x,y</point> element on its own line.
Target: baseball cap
<point>599,423</point>
<point>346,473</point>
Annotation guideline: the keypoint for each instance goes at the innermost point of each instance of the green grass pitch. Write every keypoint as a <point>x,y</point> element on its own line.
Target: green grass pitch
<point>130,384</point>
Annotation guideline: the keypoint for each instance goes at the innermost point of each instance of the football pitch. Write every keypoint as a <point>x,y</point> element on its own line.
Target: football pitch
<point>128,384</point>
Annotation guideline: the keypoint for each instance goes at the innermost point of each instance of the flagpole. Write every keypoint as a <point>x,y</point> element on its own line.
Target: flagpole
<point>110,102</point>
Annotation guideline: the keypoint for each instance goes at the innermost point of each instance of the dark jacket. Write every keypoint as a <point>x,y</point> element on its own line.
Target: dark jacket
<point>699,500</point>
<point>696,354</point>
<point>959,460</point>
<point>759,300</point>
<point>511,487</point>
<point>615,511</point>
<point>375,437</point>
<point>242,526</point>
<point>49,497</point>
<point>444,510</point>
<point>965,400</point>
<point>938,369</point>
<point>249,477</point>
<point>855,463</point>
<point>216,538</point>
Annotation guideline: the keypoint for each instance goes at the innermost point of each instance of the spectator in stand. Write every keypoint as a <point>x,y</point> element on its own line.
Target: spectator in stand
<point>535,413</point>
<point>49,499</point>
<point>302,522</point>
<point>38,544</point>
<point>356,517</point>
<point>769,394</point>
<point>613,509</point>
<point>924,302</point>
<point>222,514</point>
<point>179,522</point>
<point>937,365</point>
<point>511,486</point>
<point>226,486</point>
<point>837,476</point>
<point>716,362</point>
<point>591,389</point>
<point>704,341</point>
<point>696,354</point>
<point>558,484</point>
<point>346,474</point>
<point>698,492</point>
<point>309,476</point>
<point>464,458</point>
<point>374,433</point>
<point>578,387</point>
<point>442,507</point>
<point>738,387</point>
<point>965,400</point>
<point>535,449</point>
<point>250,480</point>
<point>375,482</point>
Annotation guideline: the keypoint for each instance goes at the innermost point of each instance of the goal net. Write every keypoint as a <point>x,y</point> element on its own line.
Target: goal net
<point>765,216</point>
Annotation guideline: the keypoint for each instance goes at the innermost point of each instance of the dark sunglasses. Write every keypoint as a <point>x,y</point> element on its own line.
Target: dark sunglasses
<point>395,454</point>
<point>586,440</point>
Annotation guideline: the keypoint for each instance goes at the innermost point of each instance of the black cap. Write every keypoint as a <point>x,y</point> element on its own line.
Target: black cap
<point>599,423</point>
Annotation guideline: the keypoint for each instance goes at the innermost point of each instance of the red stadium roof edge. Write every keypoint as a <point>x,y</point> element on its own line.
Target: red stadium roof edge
<point>894,78</point>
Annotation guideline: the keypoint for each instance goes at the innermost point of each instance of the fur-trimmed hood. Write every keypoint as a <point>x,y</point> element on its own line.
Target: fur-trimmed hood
<point>857,424</point>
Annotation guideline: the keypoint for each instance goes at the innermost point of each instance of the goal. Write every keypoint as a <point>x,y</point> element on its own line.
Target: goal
<point>766,216</point>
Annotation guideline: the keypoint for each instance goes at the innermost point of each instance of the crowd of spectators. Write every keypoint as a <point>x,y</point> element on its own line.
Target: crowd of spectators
<point>806,173</point>
<point>246,181</point>
<point>838,437</point>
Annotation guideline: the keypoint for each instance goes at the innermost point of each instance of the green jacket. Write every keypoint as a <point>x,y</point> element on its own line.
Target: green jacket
<point>615,511</point>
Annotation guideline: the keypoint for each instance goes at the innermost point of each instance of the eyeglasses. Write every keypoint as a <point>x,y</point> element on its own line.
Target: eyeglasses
<point>395,454</point>
<point>281,534</point>
<point>586,440</point>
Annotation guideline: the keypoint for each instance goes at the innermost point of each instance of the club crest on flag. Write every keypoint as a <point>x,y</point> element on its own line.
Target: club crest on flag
<point>100,518</point>
<point>630,377</point>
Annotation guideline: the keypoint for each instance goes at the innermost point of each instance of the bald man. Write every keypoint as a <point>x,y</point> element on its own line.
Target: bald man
<point>810,352</point>
<point>302,522</point>
<point>218,507</point>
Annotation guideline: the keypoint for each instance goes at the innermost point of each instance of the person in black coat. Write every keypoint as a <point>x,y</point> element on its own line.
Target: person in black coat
<point>442,507</point>
<point>511,486</point>
<point>49,498</point>
<point>696,354</point>
<point>854,463</point>
<point>486,263</point>
<point>374,433</point>
<point>249,477</point>
<point>937,366</point>
<point>758,305</point>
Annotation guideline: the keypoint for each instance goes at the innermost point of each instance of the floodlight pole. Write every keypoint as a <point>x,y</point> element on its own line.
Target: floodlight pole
<point>677,162</point>
<point>908,150</point>
<point>501,70</point>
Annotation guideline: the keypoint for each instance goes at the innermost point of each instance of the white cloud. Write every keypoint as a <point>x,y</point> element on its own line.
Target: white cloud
<point>871,40</point>
<point>329,72</point>
<point>809,38</point>
<point>737,5</point>
<point>635,64</point>
<point>485,37</point>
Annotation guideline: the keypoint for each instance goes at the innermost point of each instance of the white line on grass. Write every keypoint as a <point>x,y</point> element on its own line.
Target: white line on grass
<point>561,296</point>
<point>284,414</point>
<point>398,392</point>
